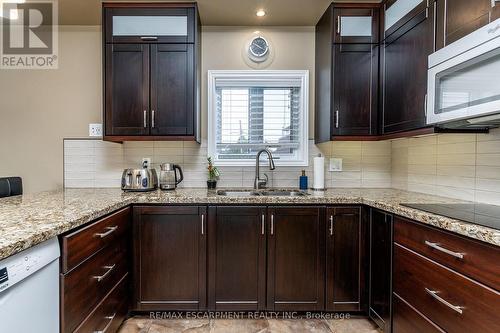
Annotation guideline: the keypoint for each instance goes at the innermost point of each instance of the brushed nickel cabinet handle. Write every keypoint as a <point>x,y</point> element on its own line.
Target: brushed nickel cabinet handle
<point>110,318</point>
<point>436,246</point>
<point>153,118</point>
<point>331,225</point>
<point>425,105</point>
<point>434,294</point>
<point>202,224</point>
<point>145,119</point>
<point>102,277</point>
<point>336,118</point>
<point>338,24</point>
<point>263,224</point>
<point>149,38</point>
<point>272,224</point>
<point>107,233</point>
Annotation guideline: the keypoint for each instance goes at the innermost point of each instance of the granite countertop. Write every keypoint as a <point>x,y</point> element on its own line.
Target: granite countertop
<point>33,218</point>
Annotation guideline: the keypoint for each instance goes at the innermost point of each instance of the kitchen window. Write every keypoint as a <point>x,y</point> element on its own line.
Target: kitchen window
<point>252,110</point>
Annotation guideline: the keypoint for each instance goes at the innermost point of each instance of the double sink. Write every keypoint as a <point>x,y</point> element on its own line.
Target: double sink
<point>265,193</point>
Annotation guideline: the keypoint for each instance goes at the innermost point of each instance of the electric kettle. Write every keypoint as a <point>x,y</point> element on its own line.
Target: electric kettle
<point>168,176</point>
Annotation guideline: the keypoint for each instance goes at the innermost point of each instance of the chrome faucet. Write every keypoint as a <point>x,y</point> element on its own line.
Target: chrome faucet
<point>261,183</point>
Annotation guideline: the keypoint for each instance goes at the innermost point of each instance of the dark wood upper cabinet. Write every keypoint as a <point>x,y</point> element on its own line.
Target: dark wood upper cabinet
<point>172,89</point>
<point>346,259</point>
<point>237,258</point>
<point>127,89</point>
<point>404,53</point>
<point>296,259</point>
<point>495,11</point>
<point>355,83</point>
<point>152,71</point>
<point>170,258</point>
<point>380,285</point>
<point>458,18</point>
<point>347,71</point>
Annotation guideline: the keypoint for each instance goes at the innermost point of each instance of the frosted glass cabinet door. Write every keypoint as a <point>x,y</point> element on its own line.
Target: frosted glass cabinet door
<point>356,25</point>
<point>136,25</point>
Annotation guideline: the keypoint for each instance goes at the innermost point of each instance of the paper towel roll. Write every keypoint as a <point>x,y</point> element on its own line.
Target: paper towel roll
<point>319,173</point>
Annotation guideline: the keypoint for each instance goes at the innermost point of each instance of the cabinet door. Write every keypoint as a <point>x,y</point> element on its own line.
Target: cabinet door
<point>172,89</point>
<point>237,258</point>
<point>355,89</point>
<point>127,89</point>
<point>356,25</point>
<point>458,18</point>
<point>170,258</point>
<point>296,248</point>
<point>495,10</point>
<point>405,54</point>
<point>345,260</point>
<point>380,269</point>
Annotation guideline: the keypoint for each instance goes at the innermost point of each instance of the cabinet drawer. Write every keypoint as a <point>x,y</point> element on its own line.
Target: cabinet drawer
<point>83,243</point>
<point>84,287</point>
<point>110,313</point>
<point>406,319</point>
<point>451,300</point>
<point>475,259</point>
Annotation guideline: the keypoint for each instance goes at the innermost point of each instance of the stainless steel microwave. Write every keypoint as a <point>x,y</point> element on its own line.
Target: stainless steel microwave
<point>464,81</point>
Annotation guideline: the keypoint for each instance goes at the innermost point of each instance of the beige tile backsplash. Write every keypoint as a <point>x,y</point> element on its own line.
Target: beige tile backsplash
<point>94,163</point>
<point>464,166</point>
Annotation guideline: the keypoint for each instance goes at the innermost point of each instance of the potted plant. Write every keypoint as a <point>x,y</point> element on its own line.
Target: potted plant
<point>213,174</point>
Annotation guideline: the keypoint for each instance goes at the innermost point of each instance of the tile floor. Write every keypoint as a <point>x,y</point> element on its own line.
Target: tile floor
<point>145,325</point>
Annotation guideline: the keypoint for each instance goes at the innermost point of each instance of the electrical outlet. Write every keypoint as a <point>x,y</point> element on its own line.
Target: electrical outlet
<point>146,162</point>
<point>95,129</point>
<point>335,165</point>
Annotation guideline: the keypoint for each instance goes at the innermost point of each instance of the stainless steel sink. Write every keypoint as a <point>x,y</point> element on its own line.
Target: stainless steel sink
<point>266,193</point>
<point>237,193</point>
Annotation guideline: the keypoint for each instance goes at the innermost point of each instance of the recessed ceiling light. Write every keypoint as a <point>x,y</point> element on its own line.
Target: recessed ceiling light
<point>260,13</point>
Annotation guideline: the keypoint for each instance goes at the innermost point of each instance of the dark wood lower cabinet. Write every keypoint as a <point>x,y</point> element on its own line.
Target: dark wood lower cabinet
<point>296,259</point>
<point>380,269</point>
<point>406,319</point>
<point>237,258</point>
<point>346,259</point>
<point>170,257</point>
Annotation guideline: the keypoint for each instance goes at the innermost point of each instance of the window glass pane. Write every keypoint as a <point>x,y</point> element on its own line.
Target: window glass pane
<point>149,26</point>
<point>250,119</point>
<point>356,26</point>
<point>398,10</point>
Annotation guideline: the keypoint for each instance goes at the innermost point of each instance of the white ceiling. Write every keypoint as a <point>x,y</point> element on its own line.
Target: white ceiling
<point>216,12</point>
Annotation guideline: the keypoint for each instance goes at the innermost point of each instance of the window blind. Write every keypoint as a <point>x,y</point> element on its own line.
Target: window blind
<point>250,118</point>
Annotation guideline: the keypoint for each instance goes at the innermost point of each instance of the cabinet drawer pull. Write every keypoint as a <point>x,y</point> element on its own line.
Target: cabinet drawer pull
<point>102,277</point>
<point>202,224</point>
<point>434,293</point>
<point>442,249</point>
<point>145,119</point>
<point>336,118</point>
<point>110,318</point>
<point>107,233</point>
<point>149,38</point>
<point>263,225</point>
<point>331,225</point>
<point>272,224</point>
<point>152,118</point>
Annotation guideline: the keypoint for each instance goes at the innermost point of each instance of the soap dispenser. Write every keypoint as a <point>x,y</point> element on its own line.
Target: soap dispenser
<point>303,181</point>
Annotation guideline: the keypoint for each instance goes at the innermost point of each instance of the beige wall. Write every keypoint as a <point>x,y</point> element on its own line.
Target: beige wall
<point>38,108</point>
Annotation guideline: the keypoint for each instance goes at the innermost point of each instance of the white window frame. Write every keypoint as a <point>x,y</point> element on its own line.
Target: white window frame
<point>247,76</point>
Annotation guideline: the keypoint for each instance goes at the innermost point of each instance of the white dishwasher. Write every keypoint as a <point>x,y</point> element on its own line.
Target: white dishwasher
<point>29,290</point>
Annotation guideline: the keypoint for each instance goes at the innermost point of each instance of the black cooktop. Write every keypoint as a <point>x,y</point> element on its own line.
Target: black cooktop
<point>481,214</point>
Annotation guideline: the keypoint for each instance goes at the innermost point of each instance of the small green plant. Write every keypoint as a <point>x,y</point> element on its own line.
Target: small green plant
<point>213,172</point>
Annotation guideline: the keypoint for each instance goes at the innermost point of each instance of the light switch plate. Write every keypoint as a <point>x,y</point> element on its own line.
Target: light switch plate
<point>335,165</point>
<point>95,129</point>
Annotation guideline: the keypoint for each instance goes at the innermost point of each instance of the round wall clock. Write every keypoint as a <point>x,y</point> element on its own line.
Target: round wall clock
<point>259,48</point>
